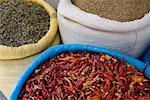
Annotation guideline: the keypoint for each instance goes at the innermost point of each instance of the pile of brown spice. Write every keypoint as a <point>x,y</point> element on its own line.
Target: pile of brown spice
<point>119,10</point>
<point>85,76</point>
<point>22,22</point>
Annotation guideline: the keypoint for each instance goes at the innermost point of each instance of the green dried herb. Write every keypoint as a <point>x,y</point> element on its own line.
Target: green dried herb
<point>22,22</point>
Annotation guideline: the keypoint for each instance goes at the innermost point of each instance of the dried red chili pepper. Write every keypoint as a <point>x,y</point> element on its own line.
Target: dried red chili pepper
<point>86,76</point>
<point>80,81</point>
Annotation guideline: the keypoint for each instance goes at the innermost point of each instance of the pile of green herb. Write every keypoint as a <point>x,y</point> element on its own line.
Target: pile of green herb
<point>22,22</point>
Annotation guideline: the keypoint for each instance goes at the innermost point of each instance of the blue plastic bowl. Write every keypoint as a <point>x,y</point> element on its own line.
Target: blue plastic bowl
<point>52,52</point>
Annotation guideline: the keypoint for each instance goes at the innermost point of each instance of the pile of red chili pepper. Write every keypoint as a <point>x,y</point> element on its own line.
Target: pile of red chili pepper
<point>86,76</point>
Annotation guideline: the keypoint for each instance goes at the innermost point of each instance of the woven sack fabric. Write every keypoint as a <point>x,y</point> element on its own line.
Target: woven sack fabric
<point>23,51</point>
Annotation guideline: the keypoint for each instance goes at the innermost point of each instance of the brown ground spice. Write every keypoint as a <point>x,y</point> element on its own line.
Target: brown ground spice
<point>22,22</point>
<point>119,10</point>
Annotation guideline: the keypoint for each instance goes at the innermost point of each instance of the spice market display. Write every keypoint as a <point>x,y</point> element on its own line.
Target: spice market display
<point>103,54</point>
<point>86,76</point>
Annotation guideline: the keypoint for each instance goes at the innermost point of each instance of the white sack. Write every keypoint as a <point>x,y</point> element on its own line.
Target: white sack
<point>79,27</point>
<point>54,3</point>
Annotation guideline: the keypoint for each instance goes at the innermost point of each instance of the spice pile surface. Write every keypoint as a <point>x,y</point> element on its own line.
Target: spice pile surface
<point>85,76</point>
<point>22,22</point>
<point>120,10</point>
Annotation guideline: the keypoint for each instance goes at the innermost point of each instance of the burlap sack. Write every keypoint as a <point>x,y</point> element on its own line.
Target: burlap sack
<point>31,49</point>
<point>10,70</point>
<point>79,27</point>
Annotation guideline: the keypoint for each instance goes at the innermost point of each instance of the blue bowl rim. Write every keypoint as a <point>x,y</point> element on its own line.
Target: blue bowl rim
<point>51,52</point>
